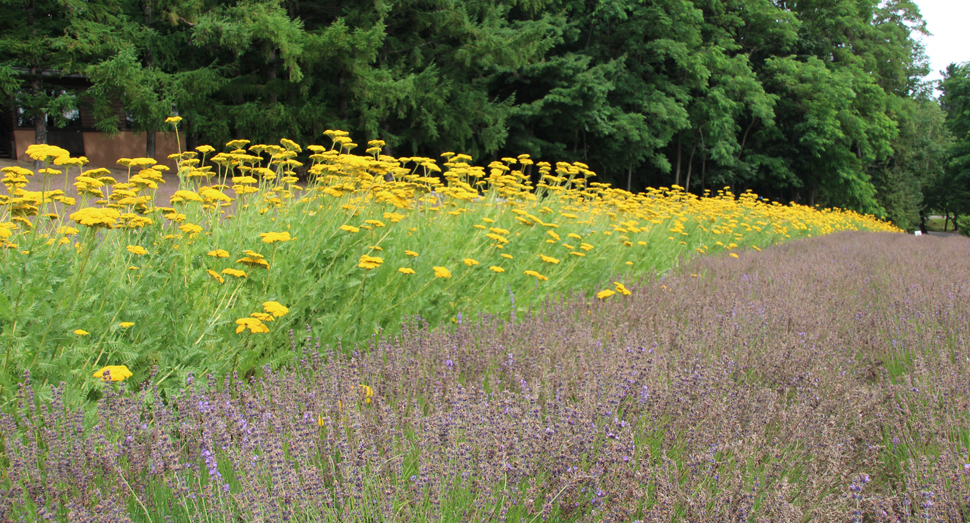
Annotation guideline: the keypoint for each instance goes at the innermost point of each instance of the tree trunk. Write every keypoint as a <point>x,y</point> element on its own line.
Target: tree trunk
<point>629,178</point>
<point>677,175</point>
<point>703,172</point>
<point>149,144</point>
<point>388,150</point>
<point>40,122</point>
<point>149,61</point>
<point>40,128</point>
<point>745,138</point>
<point>690,165</point>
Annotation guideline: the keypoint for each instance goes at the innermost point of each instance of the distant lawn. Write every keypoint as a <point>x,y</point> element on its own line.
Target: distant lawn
<point>936,223</point>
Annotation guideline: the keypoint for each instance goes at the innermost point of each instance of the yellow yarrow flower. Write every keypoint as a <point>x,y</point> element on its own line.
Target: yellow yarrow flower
<point>254,325</point>
<point>367,392</point>
<point>273,237</point>
<point>549,259</point>
<point>262,316</point>
<point>81,332</point>
<point>406,270</point>
<point>537,275</point>
<point>126,324</point>
<point>411,253</point>
<point>96,217</point>
<point>349,228</point>
<point>501,239</point>
<point>113,373</point>
<point>494,268</point>
<point>183,195</point>
<point>441,272</point>
<point>218,253</point>
<point>215,275</point>
<point>254,261</point>
<point>275,308</point>
<point>469,262</point>
<point>137,250</point>
<point>173,119</point>
<point>620,288</point>
<point>604,294</point>
<point>369,262</point>
<point>234,272</point>
<point>190,228</point>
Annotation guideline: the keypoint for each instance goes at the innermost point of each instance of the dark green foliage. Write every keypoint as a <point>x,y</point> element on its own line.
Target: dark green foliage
<point>809,101</point>
<point>952,193</point>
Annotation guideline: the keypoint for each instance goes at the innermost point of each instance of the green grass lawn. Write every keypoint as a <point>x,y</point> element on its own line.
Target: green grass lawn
<point>936,224</point>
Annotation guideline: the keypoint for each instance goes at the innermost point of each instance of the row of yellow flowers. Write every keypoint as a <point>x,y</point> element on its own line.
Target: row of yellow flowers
<point>514,218</point>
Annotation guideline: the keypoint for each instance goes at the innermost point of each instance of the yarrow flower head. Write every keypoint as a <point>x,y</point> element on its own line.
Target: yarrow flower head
<point>113,373</point>
<point>369,262</point>
<point>605,294</point>
<point>275,308</point>
<point>367,392</point>
<point>96,217</point>
<point>254,325</point>
<point>234,272</point>
<point>620,288</point>
<point>441,272</point>
<point>273,237</point>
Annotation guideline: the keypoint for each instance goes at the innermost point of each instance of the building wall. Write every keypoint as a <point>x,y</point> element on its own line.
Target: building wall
<point>103,150</point>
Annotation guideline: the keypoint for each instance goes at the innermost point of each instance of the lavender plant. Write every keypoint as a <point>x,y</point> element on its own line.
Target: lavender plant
<point>823,379</point>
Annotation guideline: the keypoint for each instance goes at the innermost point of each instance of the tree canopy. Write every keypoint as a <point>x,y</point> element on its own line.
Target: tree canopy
<point>814,101</point>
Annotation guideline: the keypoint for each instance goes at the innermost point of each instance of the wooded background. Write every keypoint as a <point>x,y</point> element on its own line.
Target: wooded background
<point>814,101</point>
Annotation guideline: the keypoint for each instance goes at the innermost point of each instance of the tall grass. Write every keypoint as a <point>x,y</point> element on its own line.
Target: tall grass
<point>213,280</point>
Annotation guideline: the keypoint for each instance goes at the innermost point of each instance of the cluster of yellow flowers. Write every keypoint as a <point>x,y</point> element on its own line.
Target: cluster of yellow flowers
<point>619,288</point>
<point>523,207</point>
<point>256,322</point>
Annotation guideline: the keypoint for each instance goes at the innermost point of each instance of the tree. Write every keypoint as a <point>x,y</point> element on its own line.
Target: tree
<point>31,74</point>
<point>910,183</point>
<point>952,192</point>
